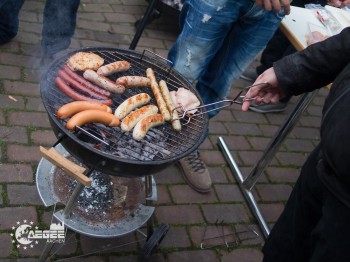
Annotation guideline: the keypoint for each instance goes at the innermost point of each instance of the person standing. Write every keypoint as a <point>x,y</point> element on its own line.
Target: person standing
<point>218,40</point>
<point>314,224</point>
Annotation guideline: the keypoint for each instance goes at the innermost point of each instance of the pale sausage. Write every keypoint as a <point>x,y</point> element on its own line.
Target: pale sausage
<point>131,103</point>
<point>157,94</point>
<point>104,82</point>
<point>134,81</point>
<point>134,117</point>
<point>175,122</point>
<point>142,127</point>
<point>118,66</point>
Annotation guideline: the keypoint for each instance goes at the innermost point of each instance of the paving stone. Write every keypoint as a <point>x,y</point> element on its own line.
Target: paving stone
<point>179,214</point>
<point>29,119</point>
<point>268,130</point>
<point>21,88</point>
<point>170,175</point>
<point>17,153</point>
<point>9,103</point>
<point>243,255</point>
<point>35,104</point>
<point>16,173</point>
<point>10,72</point>
<point>212,157</point>
<point>16,192</point>
<point>243,129</point>
<point>10,215</point>
<point>43,137</point>
<point>200,255</point>
<point>211,235</point>
<point>237,142</point>
<point>306,133</point>
<point>13,134</point>
<point>133,258</point>
<point>229,193</point>
<point>176,237</point>
<point>217,128</point>
<point>184,194</point>
<point>163,195</point>
<point>6,245</point>
<point>234,213</point>
<point>108,245</point>
<point>271,212</point>
<point>274,192</point>
<point>217,175</point>
<point>250,158</point>
<point>250,117</point>
<point>283,175</point>
<point>259,143</point>
<point>2,118</point>
<point>298,145</point>
<point>291,159</point>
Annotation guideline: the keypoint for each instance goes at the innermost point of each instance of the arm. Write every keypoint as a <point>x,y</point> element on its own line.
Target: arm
<point>305,71</point>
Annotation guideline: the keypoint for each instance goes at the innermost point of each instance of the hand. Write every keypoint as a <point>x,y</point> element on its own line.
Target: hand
<point>276,4</point>
<point>261,93</point>
<point>338,3</point>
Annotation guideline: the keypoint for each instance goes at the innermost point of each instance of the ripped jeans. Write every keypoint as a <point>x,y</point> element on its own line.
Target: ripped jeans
<point>218,40</point>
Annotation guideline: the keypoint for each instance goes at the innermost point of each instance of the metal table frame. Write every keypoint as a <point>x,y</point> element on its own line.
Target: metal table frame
<point>247,184</point>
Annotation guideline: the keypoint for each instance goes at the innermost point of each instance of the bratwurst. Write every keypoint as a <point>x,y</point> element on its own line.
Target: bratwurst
<point>72,108</point>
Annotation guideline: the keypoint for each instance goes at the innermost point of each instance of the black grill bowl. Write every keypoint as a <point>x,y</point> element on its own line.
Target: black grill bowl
<point>163,145</point>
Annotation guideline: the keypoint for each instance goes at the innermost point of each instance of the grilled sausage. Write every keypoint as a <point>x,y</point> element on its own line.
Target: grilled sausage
<point>131,103</point>
<point>92,116</point>
<point>77,96</point>
<point>134,117</point>
<point>134,81</point>
<point>175,122</point>
<point>79,87</point>
<point>157,94</point>
<point>72,108</point>
<point>103,82</point>
<point>118,66</point>
<point>86,83</point>
<point>142,127</point>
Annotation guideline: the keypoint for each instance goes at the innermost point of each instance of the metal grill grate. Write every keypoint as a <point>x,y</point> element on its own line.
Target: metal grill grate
<point>161,143</point>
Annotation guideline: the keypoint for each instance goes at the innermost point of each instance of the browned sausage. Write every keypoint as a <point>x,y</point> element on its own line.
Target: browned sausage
<point>72,108</point>
<point>86,83</point>
<point>134,117</point>
<point>103,82</point>
<point>175,122</point>
<point>92,116</point>
<point>134,81</point>
<point>66,89</point>
<point>157,94</point>
<point>79,87</point>
<point>118,66</point>
<point>142,127</point>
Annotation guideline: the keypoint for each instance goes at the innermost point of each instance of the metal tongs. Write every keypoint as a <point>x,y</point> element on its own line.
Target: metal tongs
<point>239,99</point>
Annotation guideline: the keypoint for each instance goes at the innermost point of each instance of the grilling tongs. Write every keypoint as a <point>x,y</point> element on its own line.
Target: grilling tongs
<point>239,99</point>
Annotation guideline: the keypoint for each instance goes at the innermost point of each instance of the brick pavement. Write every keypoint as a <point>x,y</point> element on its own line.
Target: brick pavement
<point>24,126</point>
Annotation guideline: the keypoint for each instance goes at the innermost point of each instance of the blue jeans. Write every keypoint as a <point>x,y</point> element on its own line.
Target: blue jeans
<point>218,40</point>
<point>9,10</point>
<point>58,25</point>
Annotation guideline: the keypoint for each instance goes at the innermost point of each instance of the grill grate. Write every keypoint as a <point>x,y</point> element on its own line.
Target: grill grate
<point>161,143</point>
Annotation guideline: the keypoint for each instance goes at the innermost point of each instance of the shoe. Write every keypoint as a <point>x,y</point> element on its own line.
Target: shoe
<point>195,172</point>
<point>269,108</point>
<point>250,74</point>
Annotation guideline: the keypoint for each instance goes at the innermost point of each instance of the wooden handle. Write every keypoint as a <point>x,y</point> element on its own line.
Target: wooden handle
<point>74,170</point>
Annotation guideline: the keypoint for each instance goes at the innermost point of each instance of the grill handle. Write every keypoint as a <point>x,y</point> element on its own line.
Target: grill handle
<point>72,169</point>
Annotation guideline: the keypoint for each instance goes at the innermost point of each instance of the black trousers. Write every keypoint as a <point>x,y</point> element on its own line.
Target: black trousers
<point>314,226</point>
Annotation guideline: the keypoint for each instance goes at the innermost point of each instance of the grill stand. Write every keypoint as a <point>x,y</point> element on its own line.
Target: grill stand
<point>153,237</point>
<point>246,184</point>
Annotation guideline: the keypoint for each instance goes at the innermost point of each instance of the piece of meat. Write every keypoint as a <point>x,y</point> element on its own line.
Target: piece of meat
<point>82,61</point>
<point>184,99</point>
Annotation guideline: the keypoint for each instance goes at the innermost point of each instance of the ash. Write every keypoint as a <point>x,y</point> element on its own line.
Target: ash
<point>99,195</point>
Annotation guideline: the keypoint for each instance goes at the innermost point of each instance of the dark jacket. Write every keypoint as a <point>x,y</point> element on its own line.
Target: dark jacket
<point>318,65</point>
